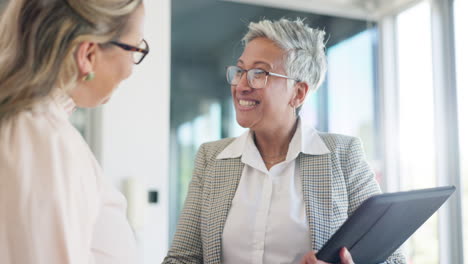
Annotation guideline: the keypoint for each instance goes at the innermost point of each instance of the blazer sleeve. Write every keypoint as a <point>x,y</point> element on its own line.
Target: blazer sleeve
<point>187,245</point>
<point>361,184</point>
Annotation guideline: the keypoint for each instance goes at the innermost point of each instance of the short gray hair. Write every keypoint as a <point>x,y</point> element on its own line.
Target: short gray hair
<point>305,48</point>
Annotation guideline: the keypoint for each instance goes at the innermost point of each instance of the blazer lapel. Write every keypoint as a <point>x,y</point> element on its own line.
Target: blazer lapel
<point>225,178</point>
<point>316,173</point>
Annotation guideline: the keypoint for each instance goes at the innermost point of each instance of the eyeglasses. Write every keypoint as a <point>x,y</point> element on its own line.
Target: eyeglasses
<point>139,53</point>
<point>257,78</point>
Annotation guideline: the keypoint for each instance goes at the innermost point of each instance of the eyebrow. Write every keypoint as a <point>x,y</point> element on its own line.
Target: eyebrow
<point>257,62</point>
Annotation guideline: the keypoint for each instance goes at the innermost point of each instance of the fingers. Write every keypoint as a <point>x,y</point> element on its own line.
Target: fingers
<point>309,258</point>
<point>345,256</point>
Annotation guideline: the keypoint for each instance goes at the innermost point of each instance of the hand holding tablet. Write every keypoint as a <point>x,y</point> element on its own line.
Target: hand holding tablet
<point>383,223</point>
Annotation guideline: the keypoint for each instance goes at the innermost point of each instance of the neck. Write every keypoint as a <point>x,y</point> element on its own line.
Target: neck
<point>274,143</point>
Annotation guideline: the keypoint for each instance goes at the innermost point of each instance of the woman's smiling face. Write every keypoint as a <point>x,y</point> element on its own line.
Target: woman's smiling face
<point>267,107</point>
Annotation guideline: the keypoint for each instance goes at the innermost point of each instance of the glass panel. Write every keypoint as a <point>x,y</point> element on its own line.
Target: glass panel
<point>416,115</point>
<point>87,122</point>
<point>351,92</point>
<point>204,128</point>
<point>461,42</point>
<point>310,108</point>
<point>80,119</point>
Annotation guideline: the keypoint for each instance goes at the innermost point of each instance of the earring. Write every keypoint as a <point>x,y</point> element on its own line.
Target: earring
<point>89,76</point>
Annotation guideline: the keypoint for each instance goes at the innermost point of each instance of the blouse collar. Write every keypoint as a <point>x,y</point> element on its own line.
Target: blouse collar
<point>306,140</point>
<point>64,103</point>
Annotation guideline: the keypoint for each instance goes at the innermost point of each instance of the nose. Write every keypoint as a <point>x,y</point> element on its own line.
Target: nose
<point>243,85</point>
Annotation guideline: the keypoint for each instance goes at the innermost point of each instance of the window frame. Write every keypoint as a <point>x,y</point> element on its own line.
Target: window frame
<point>446,119</point>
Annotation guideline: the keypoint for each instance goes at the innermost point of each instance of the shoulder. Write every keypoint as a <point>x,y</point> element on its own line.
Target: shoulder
<point>38,129</point>
<point>213,148</point>
<point>29,129</point>
<point>44,171</point>
<point>339,143</point>
<point>41,146</point>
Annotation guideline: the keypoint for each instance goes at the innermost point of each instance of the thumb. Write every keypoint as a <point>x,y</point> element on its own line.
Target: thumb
<point>345,256</point>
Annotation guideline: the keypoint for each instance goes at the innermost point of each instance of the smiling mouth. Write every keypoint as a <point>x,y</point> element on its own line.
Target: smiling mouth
<point>248,103</point>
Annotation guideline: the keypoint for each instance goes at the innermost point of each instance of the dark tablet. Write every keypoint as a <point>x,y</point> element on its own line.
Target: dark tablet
<point>382,223</point>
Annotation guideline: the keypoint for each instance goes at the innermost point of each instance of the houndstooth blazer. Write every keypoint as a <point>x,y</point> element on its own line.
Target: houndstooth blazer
<point>334,185</point>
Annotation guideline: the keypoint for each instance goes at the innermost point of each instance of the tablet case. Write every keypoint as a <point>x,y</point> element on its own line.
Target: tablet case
<point>382,223</point>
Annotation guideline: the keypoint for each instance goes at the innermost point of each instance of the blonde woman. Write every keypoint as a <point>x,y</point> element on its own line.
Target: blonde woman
<point>55,55</point>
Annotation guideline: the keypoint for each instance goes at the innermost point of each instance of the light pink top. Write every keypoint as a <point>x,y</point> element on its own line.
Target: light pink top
<point>55,205</point>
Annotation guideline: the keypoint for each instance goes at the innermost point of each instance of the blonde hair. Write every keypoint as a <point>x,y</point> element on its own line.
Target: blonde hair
<point>38,39</point>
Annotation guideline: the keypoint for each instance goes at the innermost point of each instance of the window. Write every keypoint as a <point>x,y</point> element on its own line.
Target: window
<point>461,43</point>
<point>416,115</point>
<point>351,92</point>
<point>79,119</point>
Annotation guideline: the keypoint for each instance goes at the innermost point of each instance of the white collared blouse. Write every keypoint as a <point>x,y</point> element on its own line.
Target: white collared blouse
<point>56,207</point>
<point>267,221</point>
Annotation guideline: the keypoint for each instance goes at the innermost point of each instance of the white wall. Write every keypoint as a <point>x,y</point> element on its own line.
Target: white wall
<point>135,131</point>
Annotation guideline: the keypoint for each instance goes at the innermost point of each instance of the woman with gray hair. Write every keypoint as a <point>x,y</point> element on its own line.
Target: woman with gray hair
<point>56,207</point>
<point>278,192</point>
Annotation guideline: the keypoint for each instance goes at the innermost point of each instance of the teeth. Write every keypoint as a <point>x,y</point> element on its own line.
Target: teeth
<point>247,103</point>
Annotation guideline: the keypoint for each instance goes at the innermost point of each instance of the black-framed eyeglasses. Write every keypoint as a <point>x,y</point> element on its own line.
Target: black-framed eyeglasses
<point>139,53</point>
<point>257,78</point>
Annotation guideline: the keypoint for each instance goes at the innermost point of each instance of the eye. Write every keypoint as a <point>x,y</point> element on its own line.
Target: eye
<point>258,73</point>
<point>238,71</point>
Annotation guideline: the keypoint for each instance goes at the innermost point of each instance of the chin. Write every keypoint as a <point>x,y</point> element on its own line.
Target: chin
<point>245,123</point>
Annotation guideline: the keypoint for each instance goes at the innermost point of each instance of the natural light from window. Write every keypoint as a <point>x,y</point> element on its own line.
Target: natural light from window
<point>461,42</point>
<point>351,93</point>
<point>416,115</point>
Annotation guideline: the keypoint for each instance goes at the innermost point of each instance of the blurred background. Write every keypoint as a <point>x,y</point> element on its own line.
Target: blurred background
<point>397,78</point>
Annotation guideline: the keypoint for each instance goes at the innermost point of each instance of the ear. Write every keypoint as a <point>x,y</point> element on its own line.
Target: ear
<point>302,89</point>
<point>85,57</point>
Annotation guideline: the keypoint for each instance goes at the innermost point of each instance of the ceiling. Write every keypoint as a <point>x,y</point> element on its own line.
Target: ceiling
<point>360,9</point>
<point>210,29</point>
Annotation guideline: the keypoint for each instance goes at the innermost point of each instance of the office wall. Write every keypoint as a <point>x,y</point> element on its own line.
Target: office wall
<point>134,131</point>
